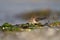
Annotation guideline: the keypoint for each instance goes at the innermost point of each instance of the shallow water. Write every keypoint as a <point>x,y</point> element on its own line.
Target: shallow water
<point>37,34</point>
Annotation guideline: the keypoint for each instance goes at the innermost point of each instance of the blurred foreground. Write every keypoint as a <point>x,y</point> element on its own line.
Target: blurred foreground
<point>44,33</point>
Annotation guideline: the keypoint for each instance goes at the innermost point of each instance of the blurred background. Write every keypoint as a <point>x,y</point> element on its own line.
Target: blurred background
<point>8,8</point>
